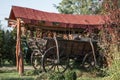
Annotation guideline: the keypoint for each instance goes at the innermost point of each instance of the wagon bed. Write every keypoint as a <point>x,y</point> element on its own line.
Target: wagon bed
<point>68,49</point>
<point>73,47</point>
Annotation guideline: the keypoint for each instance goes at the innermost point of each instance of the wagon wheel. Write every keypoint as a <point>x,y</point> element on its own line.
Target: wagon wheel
<point>36,57</point>
<point>88,61</point>
<point>51,63</point>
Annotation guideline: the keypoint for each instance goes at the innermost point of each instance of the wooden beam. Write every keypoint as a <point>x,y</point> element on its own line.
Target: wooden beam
<point>10,19</point>
<point>19,56</point>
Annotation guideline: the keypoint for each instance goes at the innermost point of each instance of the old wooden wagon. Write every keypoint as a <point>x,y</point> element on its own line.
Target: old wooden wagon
<point>55,53</point>
<point>59,52</point>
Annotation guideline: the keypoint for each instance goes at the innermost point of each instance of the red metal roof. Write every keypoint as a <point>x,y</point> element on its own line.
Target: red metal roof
<point>34,16</point>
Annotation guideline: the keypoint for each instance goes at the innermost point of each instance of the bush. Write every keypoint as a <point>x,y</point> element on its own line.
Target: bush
<point>42,76</point>
<point>70,75</point>
<point>31,72</point>
<point>56,76</point>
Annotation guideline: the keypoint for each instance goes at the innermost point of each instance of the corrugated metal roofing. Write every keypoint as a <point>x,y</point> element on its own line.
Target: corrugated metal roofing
<point>32,15</point>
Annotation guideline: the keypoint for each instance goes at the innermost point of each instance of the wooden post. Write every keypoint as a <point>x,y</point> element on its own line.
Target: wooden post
<point>19,56</point>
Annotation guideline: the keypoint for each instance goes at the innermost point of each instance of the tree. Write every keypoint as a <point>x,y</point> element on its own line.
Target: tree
<point>79,6</point>
<point>1,46</point>
<point>0,25</point>
<point>111,31</point>
<point>8,47</point>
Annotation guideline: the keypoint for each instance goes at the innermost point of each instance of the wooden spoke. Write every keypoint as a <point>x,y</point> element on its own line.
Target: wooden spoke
<point>51,63</point>
<point>36,60</point>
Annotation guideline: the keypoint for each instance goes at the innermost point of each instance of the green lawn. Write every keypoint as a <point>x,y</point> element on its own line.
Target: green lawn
<point>10,73</point>
<point>30,75</point>
<point>13,75</point>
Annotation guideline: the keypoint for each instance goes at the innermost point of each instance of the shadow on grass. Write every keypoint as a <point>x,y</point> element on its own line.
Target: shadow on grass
<point>90,71</point>
<point>77,65</point>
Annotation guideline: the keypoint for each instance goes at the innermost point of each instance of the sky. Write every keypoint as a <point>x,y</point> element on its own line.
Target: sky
<point>44,5</point>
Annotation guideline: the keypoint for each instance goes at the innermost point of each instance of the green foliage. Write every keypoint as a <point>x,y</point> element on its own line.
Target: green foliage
<point>13,75</point>
<point>70,75</point>
<point>114,70</point>
<point>42,76</point>
<point>1,41</point>
<point>79,7</point>
<point>56,76</point>
<point>26,49</point>
<point>31,72</point>
<point>1,46</point>
<point>0,25</point>
<point>116,76</point>
<point>7,46</point>
<point>50,76</point>
<point>110,39</point>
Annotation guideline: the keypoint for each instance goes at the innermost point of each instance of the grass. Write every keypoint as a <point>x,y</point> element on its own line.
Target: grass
<point>8,72</point>
<point>82,74</point>
<point>31,75</point>
<point>13,75</point>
